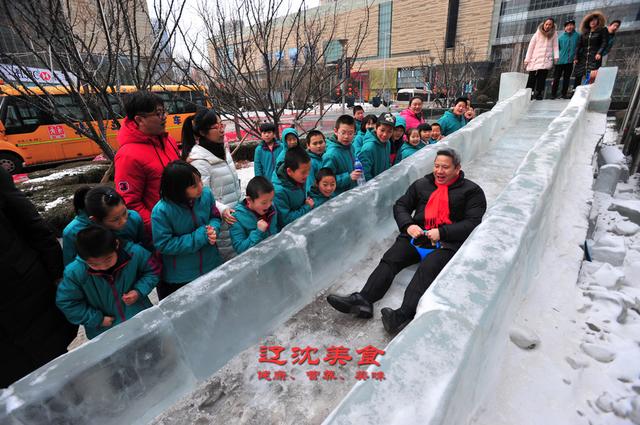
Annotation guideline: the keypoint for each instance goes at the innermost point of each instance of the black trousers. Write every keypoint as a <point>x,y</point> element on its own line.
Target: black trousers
<point>563,71</point>
<point>401,255</point>
<point>536,81</point>
<point>165,289</point>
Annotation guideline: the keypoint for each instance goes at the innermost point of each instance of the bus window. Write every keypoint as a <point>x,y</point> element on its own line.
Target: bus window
<point>22,117</point>
<point>69,107</point>
<point>169,103</point>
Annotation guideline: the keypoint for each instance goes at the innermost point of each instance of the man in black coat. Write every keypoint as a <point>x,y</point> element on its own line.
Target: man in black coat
<point>32,329</point>
<point>449,207</point>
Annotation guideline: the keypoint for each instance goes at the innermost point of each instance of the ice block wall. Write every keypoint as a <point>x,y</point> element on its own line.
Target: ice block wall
<point>438,366</point>
<point>134,371</point>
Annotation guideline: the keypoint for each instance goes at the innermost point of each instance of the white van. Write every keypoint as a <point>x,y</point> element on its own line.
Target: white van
<point>404,95</point>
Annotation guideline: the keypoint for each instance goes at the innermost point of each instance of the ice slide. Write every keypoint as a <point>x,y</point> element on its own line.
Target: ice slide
<point>203,343</point>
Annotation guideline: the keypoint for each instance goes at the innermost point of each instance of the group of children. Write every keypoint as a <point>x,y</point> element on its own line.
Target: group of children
<point>111,264</point>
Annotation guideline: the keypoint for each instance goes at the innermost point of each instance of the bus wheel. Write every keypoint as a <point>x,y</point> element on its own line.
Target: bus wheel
<point>11,162</point>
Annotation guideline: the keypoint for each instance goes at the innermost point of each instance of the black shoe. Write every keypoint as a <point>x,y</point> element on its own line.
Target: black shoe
<point>566,96</point>
<point>394,320</point>
<point>538,97</point>
<point>353,304</point>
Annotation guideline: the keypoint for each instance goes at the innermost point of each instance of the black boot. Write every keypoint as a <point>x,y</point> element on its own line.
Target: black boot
<point>538,95</point>
<point>354,304</point>
<point>394,320</point>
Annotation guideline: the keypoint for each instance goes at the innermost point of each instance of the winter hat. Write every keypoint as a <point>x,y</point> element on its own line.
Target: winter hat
<point>401,122</point>
<point>570,21</point>
<point>387,118</point>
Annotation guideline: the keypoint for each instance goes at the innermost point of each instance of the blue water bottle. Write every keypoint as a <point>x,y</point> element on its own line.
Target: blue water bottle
<point>357,165</point>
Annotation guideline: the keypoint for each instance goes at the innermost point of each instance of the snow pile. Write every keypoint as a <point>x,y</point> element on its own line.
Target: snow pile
<point>611,289</point>
<point>60,174</point>
<point>58,201</point>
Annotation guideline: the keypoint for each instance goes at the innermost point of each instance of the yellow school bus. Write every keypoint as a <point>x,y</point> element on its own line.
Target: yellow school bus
<point>30,136</point>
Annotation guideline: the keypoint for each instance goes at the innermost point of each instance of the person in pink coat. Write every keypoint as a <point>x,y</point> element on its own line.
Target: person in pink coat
<point>413,114</point>
<point>541,54</point>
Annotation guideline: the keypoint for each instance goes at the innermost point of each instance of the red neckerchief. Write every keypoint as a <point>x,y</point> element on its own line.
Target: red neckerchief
<point>436,212</point>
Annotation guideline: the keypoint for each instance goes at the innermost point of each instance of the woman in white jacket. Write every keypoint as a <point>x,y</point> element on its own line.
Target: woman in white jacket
<point>203,146</point>
<point>541,54</point>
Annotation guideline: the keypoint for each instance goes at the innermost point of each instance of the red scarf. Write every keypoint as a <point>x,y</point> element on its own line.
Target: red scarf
<point>436,212</point>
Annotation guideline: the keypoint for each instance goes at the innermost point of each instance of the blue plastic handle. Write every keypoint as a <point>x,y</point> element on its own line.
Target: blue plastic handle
<point>423,252</point>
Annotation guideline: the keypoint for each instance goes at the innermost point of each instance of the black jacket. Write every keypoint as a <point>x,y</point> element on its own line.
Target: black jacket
<point>32,329</point>
<point>467,205</point>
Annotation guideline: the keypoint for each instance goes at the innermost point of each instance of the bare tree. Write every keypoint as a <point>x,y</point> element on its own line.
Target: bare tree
<point>261,58</point>
<point>456,67</point>
<point>92,48</point>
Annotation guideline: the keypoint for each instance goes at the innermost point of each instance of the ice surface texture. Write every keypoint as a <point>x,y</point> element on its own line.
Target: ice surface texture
<point>440,362</point>
<point>133,372</point>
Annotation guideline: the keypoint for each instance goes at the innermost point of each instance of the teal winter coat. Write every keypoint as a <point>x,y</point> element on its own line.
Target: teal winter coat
<point>86,296</point>
<point>244,232</point>
<point>450,122</point>
<point>180,235</point>
<point>290,198</point>
<point>340,159</point>
<point>318,197</point>
<point>406,150</point>
<point>316,165</point>
<point>133,231</point>
<point>285,148</point>
<point>358,141</point>
<point>264,159</point>
<point>568,44</point>
<point>374,156</point>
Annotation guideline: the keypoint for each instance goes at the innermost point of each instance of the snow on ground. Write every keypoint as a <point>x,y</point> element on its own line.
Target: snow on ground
<point>60,174</point>
<point>244,174</point>
<point>58,201</point>
<point>586,369</point>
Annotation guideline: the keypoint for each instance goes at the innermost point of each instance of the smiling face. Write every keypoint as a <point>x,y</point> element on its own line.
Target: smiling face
<point>262,203</point>
<point>425,135</point>
<point>327,185</point>
<point>548,24</point>
<point>444,170</point>
<point>460,108</point>
<point>370,124</point>
<point>117,217</point>
<point>194,191</point>
<point>317,144</point>
<point>569,28</point>
<point>384,132</point>
<point>300,175</point>
<point>436,132</point>
<point>416,106</point>
<point>613,28</point>
<point>414,138</point>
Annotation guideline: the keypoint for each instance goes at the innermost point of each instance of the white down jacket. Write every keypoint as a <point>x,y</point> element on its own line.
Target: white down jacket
<point>222,178</point>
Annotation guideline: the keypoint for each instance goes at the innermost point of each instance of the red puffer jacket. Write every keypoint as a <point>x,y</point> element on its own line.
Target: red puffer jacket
<point>139,163</point>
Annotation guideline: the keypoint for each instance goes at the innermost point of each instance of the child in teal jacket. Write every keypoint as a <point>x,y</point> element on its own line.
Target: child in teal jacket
<point>376,150</point>
<point>267,152</point>
<point>324,187</point>
<point>340,156</point>
<point>185,224</point>
<point>368,124</point>
<point>411,146</point>
<point>454,119</point>
<point>256,217</point>
<point>291,199</point>
<point>289,140</point>
<point>101,205</point>
<point>316,146</point>
<point>108,283</point>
